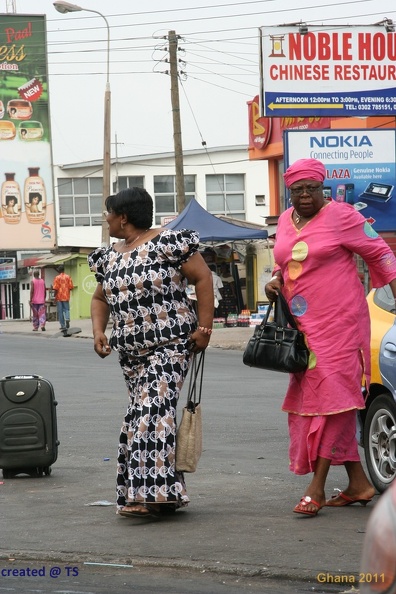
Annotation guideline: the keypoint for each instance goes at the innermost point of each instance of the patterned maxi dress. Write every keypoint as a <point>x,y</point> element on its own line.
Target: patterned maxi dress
<point>152,320</point>
<point>327,298</point>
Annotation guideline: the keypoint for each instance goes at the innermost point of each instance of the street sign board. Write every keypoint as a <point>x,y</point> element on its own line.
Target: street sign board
<point>27,213</point>
<point>330,70</point>
<point>360,168</point>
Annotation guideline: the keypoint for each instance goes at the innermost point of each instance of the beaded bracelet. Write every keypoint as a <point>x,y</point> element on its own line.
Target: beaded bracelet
<point>205,330</point>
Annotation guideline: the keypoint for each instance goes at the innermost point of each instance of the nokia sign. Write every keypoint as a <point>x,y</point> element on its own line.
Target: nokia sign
<point>339,141</point>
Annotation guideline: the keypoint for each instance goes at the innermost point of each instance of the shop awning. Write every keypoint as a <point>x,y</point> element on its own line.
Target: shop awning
<point>54,259</point>
<point>211,228</point>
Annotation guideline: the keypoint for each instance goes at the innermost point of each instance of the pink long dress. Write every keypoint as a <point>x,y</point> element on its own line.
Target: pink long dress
<point>327,298</point>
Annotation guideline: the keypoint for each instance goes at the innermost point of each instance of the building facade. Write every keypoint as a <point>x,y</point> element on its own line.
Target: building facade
<point>223,180</point>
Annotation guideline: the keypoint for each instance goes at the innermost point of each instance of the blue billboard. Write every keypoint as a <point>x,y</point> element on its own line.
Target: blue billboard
<point>360,168</point>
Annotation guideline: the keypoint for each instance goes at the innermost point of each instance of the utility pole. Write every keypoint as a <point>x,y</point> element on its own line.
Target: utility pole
<point>11,6</point>
<point>177,136</point>
<point>117,187</point>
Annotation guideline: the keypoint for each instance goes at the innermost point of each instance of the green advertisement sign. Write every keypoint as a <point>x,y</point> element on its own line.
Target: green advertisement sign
<point>27,205</point>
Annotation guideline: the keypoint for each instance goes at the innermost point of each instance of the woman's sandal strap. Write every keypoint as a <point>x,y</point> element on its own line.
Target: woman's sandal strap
<point>150,510</point>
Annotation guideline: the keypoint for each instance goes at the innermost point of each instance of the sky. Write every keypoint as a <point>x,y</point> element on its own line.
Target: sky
<point>219,68</point>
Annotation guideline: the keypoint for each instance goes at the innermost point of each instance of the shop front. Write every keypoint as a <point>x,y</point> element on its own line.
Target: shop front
<point>76,266</point>
<point>226,248</point>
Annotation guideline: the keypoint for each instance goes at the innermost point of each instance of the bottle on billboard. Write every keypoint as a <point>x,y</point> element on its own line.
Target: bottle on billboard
<point>35,197</point>
<point>11,200</point>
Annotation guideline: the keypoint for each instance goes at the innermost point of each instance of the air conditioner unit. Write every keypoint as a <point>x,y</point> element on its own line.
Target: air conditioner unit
<point>260,199</point>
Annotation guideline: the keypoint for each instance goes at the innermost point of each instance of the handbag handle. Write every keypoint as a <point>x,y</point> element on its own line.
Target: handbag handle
<point>196,376</point>
<point>282,314</point>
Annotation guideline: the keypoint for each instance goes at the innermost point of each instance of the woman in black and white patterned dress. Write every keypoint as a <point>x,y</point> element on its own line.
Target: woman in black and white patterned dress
<point>142,283</point>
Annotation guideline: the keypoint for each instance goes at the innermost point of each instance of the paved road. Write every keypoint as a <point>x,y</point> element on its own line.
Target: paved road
<point>239,521</point>
<point>51,578</point>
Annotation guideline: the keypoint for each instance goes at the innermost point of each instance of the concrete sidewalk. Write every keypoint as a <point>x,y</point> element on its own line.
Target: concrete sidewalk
<point>225,338</point>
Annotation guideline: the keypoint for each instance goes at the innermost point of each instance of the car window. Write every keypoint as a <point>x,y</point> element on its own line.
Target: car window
<point>383,297</point>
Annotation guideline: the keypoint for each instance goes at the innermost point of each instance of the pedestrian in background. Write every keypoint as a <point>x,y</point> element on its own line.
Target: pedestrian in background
<point>62,286</point>
<point>142,285</point>
<point>228,304</point>
<point>217,286</point>
<point>37,302</point>
<point>315,270</point>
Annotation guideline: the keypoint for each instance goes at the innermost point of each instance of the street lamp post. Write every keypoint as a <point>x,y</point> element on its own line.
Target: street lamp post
<point>64,7</point>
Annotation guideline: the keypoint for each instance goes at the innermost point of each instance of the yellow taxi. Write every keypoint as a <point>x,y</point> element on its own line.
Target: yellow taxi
<point>378,420</point>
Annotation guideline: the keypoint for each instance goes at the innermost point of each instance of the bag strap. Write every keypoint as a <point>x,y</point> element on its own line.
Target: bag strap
<point>283,313</point>
<point>196,377</point>
<point>267,313</point>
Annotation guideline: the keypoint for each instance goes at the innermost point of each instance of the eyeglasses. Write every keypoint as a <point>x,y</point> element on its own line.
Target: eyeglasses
<point>298,191</point>
<point>106,213</point>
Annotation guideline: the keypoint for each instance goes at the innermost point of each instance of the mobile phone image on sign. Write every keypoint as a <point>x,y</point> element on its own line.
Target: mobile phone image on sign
<point>349,193</point>
<point>327,192</point>
<point>377,192</point>
<point>340,193</point>
<point>360,205</point>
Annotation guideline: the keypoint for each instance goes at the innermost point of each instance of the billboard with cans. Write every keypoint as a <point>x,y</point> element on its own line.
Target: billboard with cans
<point>26,185</point>
<point>332,70</point>
<point>360,168</point>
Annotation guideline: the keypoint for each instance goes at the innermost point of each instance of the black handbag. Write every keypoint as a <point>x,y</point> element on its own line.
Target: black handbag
<point>277,345</point>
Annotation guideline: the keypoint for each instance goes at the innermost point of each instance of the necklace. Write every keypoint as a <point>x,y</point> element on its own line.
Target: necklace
<point>129,243</point>
<point>298,218</point>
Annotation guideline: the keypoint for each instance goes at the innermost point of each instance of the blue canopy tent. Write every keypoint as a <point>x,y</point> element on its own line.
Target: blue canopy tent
<point>210,228</point>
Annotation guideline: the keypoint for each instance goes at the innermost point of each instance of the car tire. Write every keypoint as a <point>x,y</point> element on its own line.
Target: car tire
<point>380,441</point>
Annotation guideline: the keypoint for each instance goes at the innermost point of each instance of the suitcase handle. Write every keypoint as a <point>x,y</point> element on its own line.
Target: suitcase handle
<point>32,376</point>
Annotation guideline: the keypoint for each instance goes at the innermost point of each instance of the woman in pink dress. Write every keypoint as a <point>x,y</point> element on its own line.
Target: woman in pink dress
<point>37,302</point>
<point>316,271</point>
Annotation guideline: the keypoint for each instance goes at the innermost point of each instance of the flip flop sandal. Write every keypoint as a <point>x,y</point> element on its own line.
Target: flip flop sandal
<point>142,510</point>
<point>340,500</point>
<point>301,506</point>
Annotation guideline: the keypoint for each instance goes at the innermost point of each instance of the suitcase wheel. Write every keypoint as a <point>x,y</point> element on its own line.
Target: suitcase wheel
<point>43,470</point>
<point>38,472</point>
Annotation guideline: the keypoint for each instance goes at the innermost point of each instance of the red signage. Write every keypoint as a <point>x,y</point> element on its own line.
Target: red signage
<point>259,128</point>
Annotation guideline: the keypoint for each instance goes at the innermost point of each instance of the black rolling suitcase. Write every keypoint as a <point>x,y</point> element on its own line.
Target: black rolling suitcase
<point>28,426</point>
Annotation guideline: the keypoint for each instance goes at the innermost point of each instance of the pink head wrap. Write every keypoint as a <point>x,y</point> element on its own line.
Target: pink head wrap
<point>304,169</point>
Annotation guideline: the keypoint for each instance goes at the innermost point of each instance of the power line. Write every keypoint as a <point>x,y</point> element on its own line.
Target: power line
<point>221,58</point>
<point>211,17</point>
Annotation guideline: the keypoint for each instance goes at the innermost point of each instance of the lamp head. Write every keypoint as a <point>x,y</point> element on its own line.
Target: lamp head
<point>64,7</point>
<point>303,29</point>
<point>388,24</point>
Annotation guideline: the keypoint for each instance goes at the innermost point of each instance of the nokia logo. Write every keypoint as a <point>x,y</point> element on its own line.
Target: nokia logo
<point>339,141</point>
